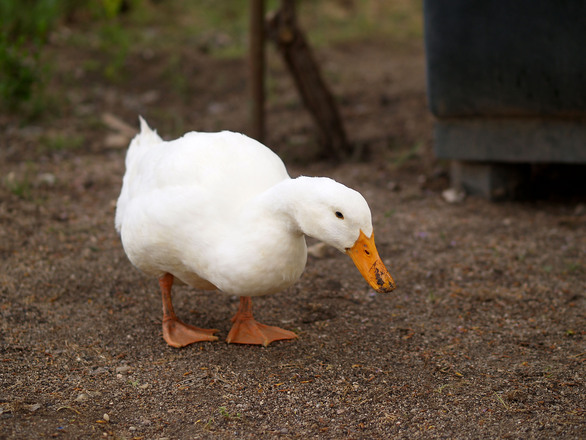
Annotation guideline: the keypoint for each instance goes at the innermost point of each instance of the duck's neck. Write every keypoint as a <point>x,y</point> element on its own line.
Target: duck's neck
<point>282,203</point>
<point>294,204</point>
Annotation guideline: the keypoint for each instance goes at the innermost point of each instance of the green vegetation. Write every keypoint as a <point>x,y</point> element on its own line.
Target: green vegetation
<point>60,142</point>
<point>32,32</point>
<point>24,26</point>
<point>20,186</point>
<point>331,22</point>
<point>402,157</point>
<point>224,413</point>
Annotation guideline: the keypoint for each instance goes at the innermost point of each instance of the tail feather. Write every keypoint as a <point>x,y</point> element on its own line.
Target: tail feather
<point>143,124</point>
<point>144,139</point>
<point>147,135</point>
<point>140,144</point>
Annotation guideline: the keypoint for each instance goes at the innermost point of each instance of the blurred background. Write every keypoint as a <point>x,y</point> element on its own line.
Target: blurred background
<point>75,75</point>
<point>495,107</point>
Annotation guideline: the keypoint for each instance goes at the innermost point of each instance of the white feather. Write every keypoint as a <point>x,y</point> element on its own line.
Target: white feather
<point>218,210</point>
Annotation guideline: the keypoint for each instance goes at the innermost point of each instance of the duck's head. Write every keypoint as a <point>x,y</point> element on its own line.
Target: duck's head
<point>340,217</point>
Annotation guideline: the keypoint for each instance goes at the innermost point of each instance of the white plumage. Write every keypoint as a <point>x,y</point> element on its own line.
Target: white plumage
<point>218,210</point>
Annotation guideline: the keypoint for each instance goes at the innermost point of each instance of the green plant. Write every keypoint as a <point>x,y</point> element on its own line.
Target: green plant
<point>224,413</point>
<point>573,267</point>
<point>20,186</point>
<point>24,27</point>
<point>60,142</point>
<point>24,30</point>
<point>432,297</point>
<point>405,156</point>
<point>115,43</point>
<point>336,22</point>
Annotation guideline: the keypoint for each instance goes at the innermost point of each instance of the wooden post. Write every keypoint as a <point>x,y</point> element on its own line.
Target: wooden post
<point>283,30</point>
<point>257,68</point>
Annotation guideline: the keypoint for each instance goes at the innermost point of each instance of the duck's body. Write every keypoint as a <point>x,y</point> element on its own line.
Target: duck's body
<point>218,210</point>
<point>188,207</point>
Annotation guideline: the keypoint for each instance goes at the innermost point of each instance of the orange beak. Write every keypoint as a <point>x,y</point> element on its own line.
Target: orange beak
<point>368,262</point>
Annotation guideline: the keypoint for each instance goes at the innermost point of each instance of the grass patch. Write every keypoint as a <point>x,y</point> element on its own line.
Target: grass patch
<point>404,156</point>
<point>60,142</point>
<point>224,413</point>
<point>23,34</point>
<point>20,186</point>
<point>337,22</point>
<point>107,33</point>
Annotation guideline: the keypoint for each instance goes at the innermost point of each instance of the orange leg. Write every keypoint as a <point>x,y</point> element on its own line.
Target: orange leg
<point>246,330</point>
<point>176,333</point>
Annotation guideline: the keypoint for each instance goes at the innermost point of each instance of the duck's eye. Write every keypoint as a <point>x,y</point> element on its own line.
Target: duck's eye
<point>339,215</point>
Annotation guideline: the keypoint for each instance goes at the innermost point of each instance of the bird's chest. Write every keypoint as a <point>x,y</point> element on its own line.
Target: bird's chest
<point>263,268</point>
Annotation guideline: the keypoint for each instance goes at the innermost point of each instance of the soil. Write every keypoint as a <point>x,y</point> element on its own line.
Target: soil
<point>483,338</point>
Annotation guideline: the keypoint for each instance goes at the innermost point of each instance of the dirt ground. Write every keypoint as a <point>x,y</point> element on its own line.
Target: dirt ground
<point>484,337</point>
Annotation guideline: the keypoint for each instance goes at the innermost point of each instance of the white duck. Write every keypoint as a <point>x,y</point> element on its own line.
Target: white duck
<point>219,211</point>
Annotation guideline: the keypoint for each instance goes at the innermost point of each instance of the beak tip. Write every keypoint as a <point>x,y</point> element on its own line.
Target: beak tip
<point>386,289</point>
<point>384,282</point>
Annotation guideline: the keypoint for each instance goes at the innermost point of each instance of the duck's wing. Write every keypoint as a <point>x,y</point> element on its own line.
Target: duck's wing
<point>185,195</point>
<point>226,169</point>
<point>230,166</point>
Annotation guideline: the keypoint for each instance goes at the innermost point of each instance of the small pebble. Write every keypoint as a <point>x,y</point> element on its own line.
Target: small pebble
<point>33,407</point>
<point>82,397</point>
<point>99,370</point>
<point>106,417</point>
<point>453,196</point>
<point>48,179</point>
<point>123,369</point>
